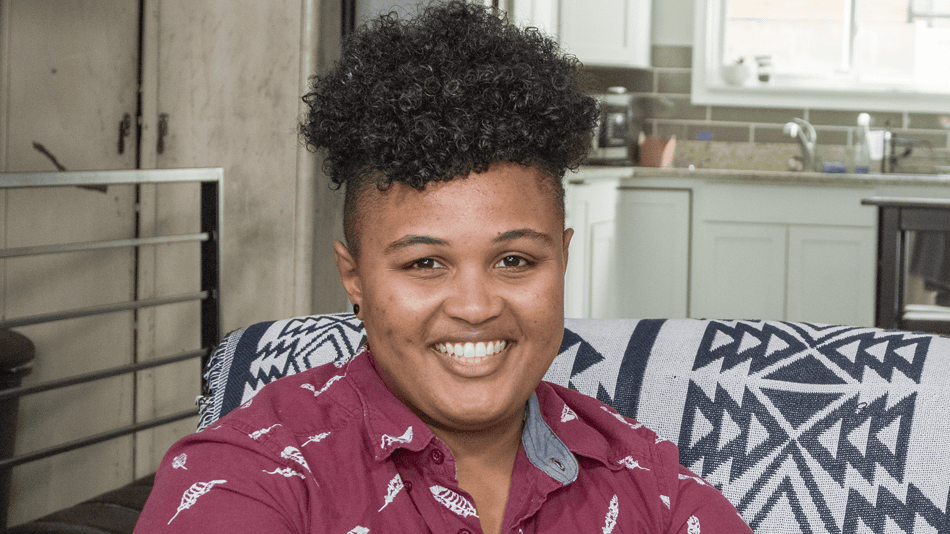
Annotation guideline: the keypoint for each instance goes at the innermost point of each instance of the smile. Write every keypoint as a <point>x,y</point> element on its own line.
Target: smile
<point>471,353</point>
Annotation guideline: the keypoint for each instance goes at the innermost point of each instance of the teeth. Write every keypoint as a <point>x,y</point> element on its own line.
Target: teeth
<point>471,352</point>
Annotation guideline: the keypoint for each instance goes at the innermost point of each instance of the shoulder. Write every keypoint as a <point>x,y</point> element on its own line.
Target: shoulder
<point>593,429</point>
<point>314,400</point>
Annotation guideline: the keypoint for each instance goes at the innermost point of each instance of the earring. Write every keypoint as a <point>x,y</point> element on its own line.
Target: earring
<point>356,309</point>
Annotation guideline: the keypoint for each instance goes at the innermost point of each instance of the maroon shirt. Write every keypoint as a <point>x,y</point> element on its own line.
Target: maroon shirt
<point>332,450</point>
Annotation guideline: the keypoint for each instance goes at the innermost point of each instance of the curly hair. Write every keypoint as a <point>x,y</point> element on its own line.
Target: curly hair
<point>444,95</point>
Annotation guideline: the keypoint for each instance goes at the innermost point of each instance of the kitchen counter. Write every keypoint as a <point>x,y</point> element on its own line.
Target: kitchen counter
<point>754,176</point>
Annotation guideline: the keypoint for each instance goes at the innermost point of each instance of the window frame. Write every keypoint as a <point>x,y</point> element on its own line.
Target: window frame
<point>708,88</point>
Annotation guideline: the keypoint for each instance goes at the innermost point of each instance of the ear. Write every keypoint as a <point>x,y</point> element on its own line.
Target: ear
<point>349,274</point>
<point>568,234</point>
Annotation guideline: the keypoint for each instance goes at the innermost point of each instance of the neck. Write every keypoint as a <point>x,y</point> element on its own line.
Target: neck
<point>496,442</point>
<point>484,463</point>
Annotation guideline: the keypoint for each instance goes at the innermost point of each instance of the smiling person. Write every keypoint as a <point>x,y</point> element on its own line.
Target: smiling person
<point>451,134</point>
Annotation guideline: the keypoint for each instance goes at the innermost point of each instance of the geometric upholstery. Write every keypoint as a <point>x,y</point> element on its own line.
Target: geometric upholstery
<point>803,427</point>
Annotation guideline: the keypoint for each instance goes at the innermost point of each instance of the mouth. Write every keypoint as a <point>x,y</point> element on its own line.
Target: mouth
<point>471,353</point>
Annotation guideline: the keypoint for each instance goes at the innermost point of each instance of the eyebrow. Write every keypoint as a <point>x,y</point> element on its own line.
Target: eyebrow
<point>410,240</point>
<point>504,237</point>
<point>524,233</point>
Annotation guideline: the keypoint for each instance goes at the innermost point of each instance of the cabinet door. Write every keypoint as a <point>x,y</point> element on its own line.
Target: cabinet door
<point>652,253</point>
<point>739,271</point>
<point>607,32</point>
<point>591,269</point>
<point>831,272</point>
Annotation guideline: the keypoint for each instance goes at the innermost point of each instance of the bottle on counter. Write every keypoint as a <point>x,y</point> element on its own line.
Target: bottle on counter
<point>862,148</point>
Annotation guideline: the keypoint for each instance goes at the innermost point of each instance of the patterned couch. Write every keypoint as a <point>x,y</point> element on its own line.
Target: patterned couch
<point>805,428</point>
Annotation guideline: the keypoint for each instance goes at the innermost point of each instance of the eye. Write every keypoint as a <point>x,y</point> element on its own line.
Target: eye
<point>512,261</point>
<point>425,263</point>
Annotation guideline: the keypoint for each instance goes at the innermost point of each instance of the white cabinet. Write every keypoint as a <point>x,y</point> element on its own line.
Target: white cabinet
<point>629,256</point>
<point>784,252</point>
<point>591,207</point>
<point>598,32</point>
<point>738,271</point>
<point>831,275</point>
<point>653,241</point>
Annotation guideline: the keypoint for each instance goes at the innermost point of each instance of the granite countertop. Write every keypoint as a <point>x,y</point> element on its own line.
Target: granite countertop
<point>731,175</point>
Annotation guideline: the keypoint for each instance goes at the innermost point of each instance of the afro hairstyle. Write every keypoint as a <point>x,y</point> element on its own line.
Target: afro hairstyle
<point>443,95</point>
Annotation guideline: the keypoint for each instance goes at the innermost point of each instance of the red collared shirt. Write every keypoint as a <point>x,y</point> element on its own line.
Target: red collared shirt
<point>332,450</point>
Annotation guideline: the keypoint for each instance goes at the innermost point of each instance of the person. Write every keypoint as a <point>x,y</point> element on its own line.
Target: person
<point>450,133</point>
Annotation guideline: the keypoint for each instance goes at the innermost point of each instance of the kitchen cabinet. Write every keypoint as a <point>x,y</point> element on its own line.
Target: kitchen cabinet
<point>598,32</point>
<point>652,257</point>
<point>590,209</point>
<point>727,244</point>
<point>629,256</point>
<point>785,252</point>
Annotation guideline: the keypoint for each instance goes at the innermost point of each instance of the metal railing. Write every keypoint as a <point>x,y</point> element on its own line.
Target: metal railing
<point>209,237</point>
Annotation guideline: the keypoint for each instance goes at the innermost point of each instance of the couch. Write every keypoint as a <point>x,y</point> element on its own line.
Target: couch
<point>804,427</point>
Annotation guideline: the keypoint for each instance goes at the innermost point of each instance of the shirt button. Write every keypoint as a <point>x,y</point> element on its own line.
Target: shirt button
<point>406,484</point>
<point>465,531</point>
<point>437,456</point>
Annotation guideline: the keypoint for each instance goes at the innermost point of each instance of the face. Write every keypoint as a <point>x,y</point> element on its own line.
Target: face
<point>461,291</point>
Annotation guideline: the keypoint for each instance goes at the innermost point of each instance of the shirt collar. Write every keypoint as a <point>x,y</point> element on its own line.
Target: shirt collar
<point>390,424</point>
<point>551,438</point>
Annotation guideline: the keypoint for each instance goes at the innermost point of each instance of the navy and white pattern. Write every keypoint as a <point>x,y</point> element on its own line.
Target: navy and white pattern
<point>805,428</point>
<point>248,359</point>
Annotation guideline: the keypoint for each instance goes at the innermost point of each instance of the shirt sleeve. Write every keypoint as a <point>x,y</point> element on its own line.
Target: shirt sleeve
<point>700,508</point>
<point>222,481</point>
<point>696,506</point>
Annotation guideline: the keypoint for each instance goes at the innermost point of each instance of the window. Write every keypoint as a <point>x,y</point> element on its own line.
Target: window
<point>843,54</point>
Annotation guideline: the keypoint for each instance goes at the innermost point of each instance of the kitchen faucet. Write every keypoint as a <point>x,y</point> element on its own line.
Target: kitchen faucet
<point>805,133</point>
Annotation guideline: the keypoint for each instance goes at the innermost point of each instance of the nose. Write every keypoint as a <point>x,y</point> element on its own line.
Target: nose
<point>474,297</point>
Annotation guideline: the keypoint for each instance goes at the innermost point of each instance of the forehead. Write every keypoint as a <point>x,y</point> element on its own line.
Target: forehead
<point>496,199</point>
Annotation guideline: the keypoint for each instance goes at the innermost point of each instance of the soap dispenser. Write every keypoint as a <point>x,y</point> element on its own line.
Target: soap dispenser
<point>862,148</point>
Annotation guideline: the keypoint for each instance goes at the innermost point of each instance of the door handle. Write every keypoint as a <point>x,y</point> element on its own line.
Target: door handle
<point>162,132</point>
<point>125,127</point>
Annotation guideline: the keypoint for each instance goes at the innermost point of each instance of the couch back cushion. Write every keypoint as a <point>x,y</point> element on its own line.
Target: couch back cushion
<point>805,428</point>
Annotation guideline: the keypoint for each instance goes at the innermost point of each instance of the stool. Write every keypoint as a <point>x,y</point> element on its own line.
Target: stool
<point>895,217</point>
<point>16,361</point>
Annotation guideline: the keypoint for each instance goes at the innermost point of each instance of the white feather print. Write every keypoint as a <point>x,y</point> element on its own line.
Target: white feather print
<point>567,414</point>
<point>456,504</point>
<point>406,437</point>
<point>395,486</point>
<point>621,418</point>
<point>666,500</point>
<point>324,388</point>
<point>698,480</point>
<point>285,471</point>
<point>630,463</point>
<point>315,439</point>
<point>692,525</point>
<point>358,530</point>
<point>258,433</point>
<point>191,495</point>
<point>179,462</point>
<point>292,453</point>
<point>612,512</point>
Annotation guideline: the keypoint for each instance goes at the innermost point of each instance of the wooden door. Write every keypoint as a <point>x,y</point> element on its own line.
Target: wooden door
<point>67,81</point>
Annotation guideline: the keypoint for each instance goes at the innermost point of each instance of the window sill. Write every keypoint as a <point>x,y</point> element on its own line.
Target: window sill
<point>870,98</point>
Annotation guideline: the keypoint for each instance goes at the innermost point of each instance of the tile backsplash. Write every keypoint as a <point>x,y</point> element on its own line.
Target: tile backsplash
<point>752,138</point>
